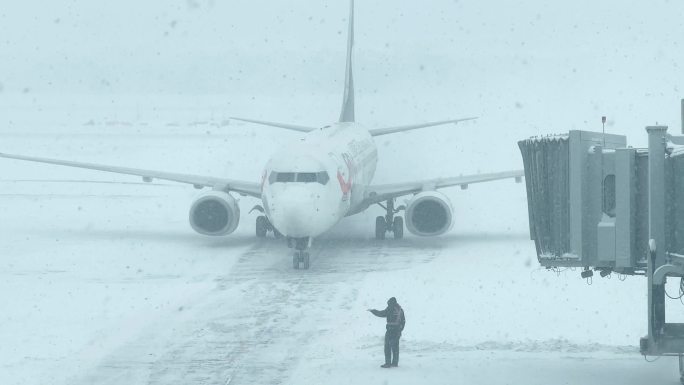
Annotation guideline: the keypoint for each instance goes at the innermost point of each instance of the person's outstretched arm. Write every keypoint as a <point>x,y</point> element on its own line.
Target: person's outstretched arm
<point>378,313</point>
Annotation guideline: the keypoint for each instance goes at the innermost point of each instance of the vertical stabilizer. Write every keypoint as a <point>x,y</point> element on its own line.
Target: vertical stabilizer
<point>347,114</point>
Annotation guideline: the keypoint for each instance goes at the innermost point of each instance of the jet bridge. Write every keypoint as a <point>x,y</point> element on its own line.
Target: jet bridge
<point>596,204</point>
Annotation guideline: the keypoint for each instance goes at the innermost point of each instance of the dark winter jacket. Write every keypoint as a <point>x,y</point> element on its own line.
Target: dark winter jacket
<point>395,317</point>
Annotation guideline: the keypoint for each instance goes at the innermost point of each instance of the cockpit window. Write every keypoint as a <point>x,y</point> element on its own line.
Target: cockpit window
<point>285,177</point>
<point>322,177</point>
<point>300,177</point>
<point>306,177</point>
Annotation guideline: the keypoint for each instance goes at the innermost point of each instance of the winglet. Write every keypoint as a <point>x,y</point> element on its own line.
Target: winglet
<point>347,113</point>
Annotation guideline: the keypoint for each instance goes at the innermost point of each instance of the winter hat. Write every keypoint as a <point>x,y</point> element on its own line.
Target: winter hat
<point>392,301</point>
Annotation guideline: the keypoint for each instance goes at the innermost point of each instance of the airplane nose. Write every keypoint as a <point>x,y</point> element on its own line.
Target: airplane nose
<point>297,220</point>
<point>297,213</point>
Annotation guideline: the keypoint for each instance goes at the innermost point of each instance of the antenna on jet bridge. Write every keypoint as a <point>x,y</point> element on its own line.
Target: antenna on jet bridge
<point>603,149</point>
<point>603,130</point>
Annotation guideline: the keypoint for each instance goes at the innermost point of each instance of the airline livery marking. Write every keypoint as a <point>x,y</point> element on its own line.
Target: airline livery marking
<point>346,186</point>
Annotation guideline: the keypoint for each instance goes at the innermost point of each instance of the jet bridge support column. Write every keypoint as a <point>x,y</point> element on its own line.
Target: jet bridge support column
<point>682,112</point>
<point>656,230</point>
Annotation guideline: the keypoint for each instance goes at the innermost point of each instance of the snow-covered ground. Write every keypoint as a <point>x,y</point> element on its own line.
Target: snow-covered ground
<point>106,283</point>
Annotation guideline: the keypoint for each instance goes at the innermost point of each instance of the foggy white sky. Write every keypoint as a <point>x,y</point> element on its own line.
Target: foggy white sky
<point>555,60</point>
<point>196,46</point>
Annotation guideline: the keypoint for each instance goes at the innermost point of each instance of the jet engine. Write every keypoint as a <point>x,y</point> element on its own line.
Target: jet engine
<point>428,214</point>
<point>215,213</point>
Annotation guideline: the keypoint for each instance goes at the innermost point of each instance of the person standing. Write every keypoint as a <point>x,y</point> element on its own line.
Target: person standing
<point>395,325</point>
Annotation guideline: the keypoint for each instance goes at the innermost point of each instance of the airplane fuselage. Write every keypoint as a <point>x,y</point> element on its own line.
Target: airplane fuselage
<point>313,183</point>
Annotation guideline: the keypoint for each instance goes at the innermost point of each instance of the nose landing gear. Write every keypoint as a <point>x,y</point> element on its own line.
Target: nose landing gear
<point>300,258</point>
<point>301,255</point>
<point>389,222</point>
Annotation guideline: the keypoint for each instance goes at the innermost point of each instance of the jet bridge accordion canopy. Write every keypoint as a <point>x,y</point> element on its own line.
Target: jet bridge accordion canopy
<point>547,171</point>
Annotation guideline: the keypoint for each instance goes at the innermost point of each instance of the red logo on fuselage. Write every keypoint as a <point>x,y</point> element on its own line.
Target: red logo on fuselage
<point>346,186</point>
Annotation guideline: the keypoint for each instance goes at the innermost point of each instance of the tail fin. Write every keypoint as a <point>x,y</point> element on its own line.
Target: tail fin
<point>347,114</point>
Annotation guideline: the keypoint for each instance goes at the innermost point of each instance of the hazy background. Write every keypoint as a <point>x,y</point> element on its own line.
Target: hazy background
<point>532,66</point>
<point>100,281</point>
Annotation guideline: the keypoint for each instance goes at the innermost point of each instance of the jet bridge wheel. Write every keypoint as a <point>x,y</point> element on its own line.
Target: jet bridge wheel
<point>262,226</point>
<point>380,227</point>
<point>398,228</point>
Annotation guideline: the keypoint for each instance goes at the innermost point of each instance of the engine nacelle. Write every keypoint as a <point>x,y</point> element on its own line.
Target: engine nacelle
<point>215,213</point>
<point>428,214</point>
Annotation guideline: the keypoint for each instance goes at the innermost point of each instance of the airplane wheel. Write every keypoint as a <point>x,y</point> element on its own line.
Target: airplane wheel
<point>398,228</point>
<point>380,227</point>
<point>295,260</point>
<point>261,226</point>
<point>305,260</point>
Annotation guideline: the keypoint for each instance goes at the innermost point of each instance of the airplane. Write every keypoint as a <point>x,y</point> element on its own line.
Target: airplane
<point>310,185</point>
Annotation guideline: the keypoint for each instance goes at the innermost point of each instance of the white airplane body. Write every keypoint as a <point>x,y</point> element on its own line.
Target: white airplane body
<point>312,185</point>
<point>309,186</point>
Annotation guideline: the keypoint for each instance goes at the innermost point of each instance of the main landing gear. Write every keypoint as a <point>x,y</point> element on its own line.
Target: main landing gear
<point>263,225</point>
<point>389,223</point>
<point>301,255</point>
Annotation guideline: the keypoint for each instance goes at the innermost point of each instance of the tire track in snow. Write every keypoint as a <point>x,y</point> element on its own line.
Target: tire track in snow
<point>254,327</point>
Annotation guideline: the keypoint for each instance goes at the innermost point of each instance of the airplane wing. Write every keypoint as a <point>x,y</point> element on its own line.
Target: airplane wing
<point>391,130</point>
<point>83,181</point>
<point>288,126</point>
<point>198,181</point>
<point>380,193</point>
